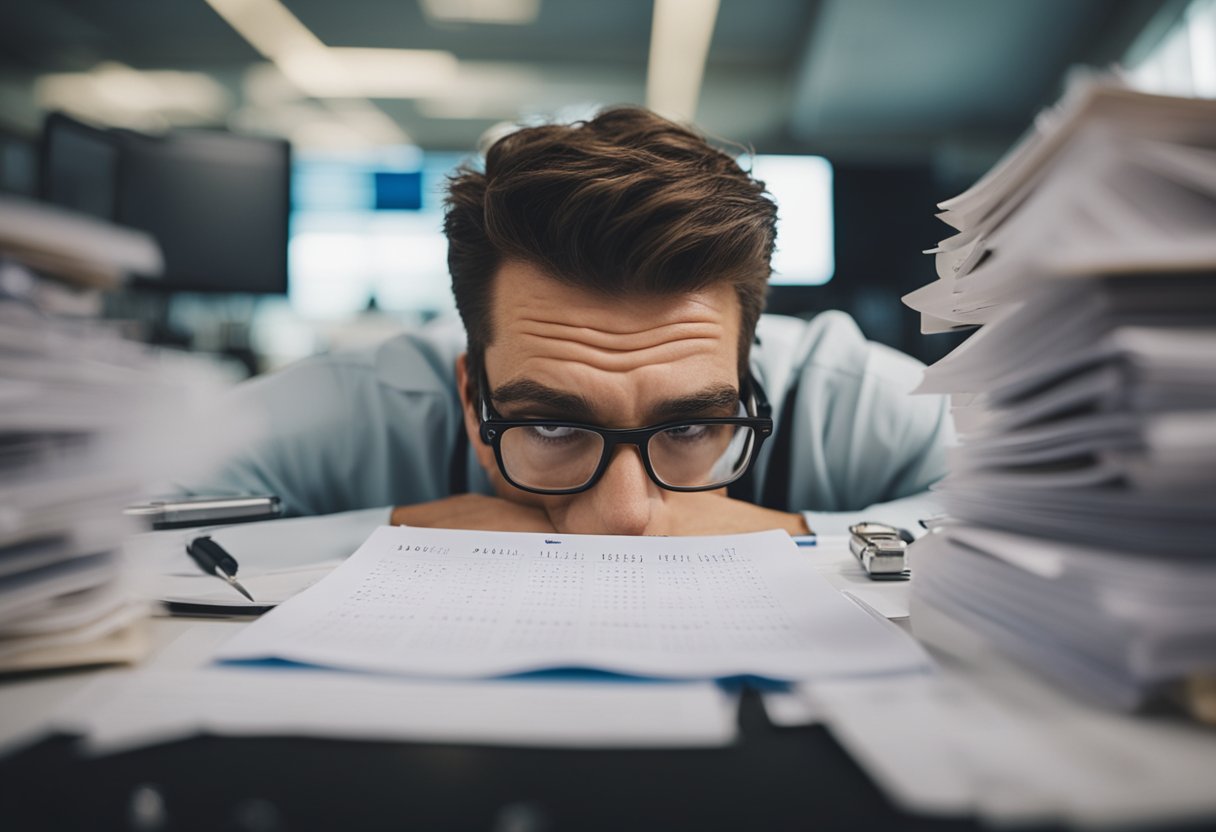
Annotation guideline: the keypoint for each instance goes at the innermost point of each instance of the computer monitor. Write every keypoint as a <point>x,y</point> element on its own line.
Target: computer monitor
<point>79,167</point>
<point>18,164</point>
<point>217,203</point>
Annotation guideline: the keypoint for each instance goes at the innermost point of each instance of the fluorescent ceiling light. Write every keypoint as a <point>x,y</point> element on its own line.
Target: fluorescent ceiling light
<point>265,85</point>
<point>328,72</point>
<point>371,73</point>
<point>485,90</point>
<point>279,35</point>
<point>1201,27</point>
<point>346,77</point>
<point>275,106</point>
<point>115,94</point>
<point>679,44</point>
<point>369,120</point>
<point>312,125</point>
<point>474,109</point>
<point>508,12</point>
<point>269,27</point>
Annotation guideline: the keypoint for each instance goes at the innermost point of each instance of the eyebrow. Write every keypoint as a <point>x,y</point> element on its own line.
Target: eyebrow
<point>539,397</point>
<point>711,402</point>
<point>722,400</point>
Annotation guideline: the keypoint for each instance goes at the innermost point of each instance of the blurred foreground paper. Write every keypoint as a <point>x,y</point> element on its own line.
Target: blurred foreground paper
<point>87,421</point>
<point>128,710</point>
<point>984,738</point>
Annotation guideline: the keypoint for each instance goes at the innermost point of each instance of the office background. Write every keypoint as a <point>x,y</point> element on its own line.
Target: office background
<point>907,101</point>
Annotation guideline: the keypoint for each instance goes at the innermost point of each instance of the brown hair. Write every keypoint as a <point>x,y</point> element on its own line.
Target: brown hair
<point>625,203</point>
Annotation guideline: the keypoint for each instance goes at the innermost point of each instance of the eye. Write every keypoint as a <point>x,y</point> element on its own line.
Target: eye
<point>688,433</point>
<point>552,433</point>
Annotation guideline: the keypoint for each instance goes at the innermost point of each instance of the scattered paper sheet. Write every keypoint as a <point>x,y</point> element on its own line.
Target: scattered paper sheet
<point>832,559</point>
<point>433,602</point>
<point>118,712</point>
<point>268,589</point>
<point>790,708</point>
<point>278,558</point>
<point>261,547</point>
<point>29,705</point>
<point>983,737</point>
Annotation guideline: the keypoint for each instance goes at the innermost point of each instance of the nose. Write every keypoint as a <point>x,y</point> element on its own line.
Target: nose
<point>624,499</point>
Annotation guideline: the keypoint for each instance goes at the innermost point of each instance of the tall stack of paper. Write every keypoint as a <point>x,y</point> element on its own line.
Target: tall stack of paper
<point>1082,497</point>
<point>74,248</point>
<point>1110,181</point>
<point>81,428</point>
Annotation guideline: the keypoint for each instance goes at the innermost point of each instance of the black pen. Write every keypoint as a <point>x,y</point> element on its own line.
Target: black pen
<point>213,559</point>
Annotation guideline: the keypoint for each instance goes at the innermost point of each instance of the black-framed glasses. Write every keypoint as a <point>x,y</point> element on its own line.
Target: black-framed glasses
<point>554,456</point>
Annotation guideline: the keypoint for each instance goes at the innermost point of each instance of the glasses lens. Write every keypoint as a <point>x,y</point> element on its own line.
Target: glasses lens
<point>550,457</point>
<point>693,456</point>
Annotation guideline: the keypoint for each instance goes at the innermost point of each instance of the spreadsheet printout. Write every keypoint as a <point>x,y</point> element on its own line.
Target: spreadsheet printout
<point>438,602</point>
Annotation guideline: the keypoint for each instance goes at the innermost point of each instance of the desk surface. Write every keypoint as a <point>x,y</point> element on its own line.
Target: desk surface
<point>771,779</point>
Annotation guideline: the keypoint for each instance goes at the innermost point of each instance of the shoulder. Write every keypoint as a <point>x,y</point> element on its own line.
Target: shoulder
<point>421,361</point>
<point>387,411</point>
<point>828,350</point>
<point>855,435</point>
<point>415,362</point>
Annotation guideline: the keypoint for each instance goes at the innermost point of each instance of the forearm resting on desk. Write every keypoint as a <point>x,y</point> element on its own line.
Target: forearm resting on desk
<point>680,514</point>
<point>473,511</point>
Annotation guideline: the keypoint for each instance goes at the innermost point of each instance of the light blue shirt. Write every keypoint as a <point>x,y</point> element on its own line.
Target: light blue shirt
<point>378,427</point>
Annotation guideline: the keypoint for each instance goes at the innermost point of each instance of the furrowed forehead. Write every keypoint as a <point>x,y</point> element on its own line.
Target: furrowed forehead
<point>536,313</point>
<point>626,358</point>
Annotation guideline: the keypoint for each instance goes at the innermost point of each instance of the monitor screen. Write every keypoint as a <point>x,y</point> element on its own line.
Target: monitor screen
<point>802,189</point>
<point>18,164</point>
<point>217,203</point>
<point>79,166</point>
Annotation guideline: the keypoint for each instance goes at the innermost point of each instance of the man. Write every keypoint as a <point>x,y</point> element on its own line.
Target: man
<point>610,276</point>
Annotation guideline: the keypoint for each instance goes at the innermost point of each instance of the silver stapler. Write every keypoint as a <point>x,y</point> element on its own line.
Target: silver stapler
<point>882,550</point>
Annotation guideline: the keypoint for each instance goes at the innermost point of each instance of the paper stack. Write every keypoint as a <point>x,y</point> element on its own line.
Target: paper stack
<point>1082,497</point>
<point>76,249</point>
<point>81,429</point>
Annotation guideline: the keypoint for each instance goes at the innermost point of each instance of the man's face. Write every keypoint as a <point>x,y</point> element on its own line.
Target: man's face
<point>615,363</point>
